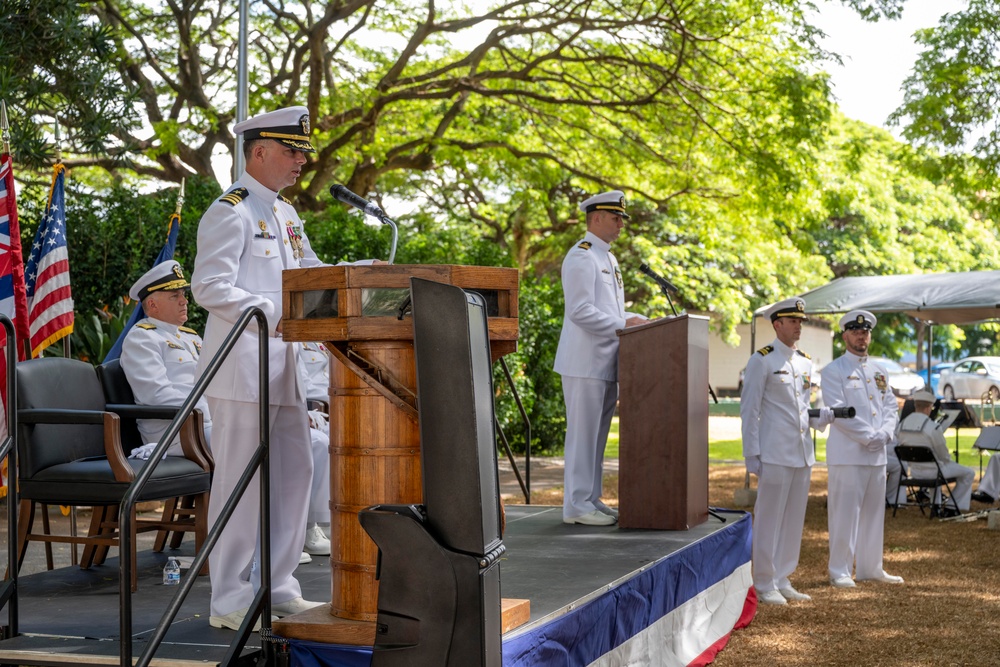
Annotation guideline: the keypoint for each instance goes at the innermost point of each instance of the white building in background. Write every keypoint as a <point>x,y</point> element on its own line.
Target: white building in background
<point>725,362</point>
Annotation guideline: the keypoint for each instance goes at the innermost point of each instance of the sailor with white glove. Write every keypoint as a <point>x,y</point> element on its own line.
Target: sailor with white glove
<point>778,448</point>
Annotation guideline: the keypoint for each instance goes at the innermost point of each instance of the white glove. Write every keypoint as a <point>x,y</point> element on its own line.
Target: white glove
<point>753,465</point>
<point>143,452</point>
<point>878,441</point>
<point>318,421</point>
<point>825,418</point>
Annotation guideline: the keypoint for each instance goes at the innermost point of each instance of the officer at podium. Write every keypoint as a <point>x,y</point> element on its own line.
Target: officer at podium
<point>587,356</point>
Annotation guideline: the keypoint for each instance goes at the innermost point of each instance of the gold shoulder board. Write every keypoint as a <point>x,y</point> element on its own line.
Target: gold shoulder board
<point>146,325</point>
<point>188,330</point>
<point>585,245</point>
<point>766,350</point>
<point>803,354</point>
<point>235,196</point>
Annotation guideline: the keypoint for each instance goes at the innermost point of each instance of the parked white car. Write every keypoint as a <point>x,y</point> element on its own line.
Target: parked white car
<point>971,377</point>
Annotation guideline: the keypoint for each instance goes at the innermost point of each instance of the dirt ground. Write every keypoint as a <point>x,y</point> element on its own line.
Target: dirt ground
<point>946,613</point>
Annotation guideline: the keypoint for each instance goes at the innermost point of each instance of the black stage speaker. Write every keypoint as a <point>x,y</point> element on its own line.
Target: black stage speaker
<point>439,575</point>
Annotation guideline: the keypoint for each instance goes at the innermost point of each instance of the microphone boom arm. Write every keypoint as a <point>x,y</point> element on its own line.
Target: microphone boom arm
<point>386,220</point>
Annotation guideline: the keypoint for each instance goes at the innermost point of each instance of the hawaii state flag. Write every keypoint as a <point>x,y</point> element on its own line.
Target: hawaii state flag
<point>50,300</point>
<point>13,301</point>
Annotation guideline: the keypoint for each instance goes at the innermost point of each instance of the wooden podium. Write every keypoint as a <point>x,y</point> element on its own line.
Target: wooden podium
<point>663,424</point>
<point>358,312</point>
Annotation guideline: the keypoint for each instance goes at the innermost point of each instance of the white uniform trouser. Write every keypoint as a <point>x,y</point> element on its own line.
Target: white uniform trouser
<point>319,496</point>
<point>990,483</point>
<point>234,438</point>
<point>893,471</point>
<point>778,517</point>
<point>590,405</point>
<point>964,477</point>
<point>856,520</point>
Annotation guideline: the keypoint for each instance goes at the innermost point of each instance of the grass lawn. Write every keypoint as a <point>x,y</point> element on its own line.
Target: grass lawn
<point>732,450</point>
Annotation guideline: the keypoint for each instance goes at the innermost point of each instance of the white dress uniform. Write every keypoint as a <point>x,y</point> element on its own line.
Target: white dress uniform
<point>246,239</point>
<point>856,458</point>
<point>587,360</point>
<point>919,429</point>
<point>160,361</point>
<point>314,365</point>
<point>990,483</point>
<point>774,408</point>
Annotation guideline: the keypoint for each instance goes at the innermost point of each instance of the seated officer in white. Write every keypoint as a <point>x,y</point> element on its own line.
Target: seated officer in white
<point>919,429</point>
<point>159,355</point>
<point>314,367</point>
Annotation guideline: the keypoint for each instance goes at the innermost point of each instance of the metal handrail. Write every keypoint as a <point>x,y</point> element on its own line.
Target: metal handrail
<point>525,483</point>
<point>8,592</point>
<point>262,601</point>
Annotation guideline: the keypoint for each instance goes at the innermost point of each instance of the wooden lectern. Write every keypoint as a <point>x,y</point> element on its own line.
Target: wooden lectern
<point>663,424</point>
<point>359,312</point>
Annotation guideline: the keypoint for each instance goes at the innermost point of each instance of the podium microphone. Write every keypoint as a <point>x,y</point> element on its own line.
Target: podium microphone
<point>340,193</point>
<point>664,284</point>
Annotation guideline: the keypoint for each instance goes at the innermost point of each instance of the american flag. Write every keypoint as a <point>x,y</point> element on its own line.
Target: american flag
<point>50,301</point>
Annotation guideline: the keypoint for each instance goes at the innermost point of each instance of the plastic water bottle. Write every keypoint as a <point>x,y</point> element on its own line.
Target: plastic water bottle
<point>172,572</point>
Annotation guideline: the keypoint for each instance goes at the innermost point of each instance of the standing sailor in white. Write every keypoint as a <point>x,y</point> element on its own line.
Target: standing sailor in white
<point>160,355</point>
<point>856,456</point>
<point>778,448</point>
<point>587,356</point>
<point>246,239</point>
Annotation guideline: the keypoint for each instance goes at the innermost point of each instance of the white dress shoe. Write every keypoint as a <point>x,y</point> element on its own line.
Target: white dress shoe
<point>885,578</point>
<point>294,606</point>
<point>234,619</point>
<point>842,582</point>
<point>771,597</point>
<point>316,542</point>
<point>305,558</point>
<point>604,509</point>
<point>325,527</point>
<point>595,518</point>
<point>793,595</point>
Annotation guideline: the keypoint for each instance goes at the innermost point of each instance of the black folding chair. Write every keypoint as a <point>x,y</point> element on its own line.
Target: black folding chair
<point>916,480</point>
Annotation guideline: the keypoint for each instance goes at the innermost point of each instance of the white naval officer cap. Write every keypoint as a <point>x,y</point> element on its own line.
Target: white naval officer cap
<point>923,396</point>
<point>794,307</point>
<point>288,126</point>
<point>163,277</point>
<point>858,319</point>
<point>613,201</point>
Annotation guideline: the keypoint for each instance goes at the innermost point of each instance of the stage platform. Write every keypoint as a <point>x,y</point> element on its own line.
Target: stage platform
<point>598,595</point>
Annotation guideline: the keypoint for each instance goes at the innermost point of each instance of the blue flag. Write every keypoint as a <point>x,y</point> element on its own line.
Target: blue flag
<point>167,252</point>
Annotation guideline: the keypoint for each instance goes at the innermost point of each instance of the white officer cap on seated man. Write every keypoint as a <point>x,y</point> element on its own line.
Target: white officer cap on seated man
<point>794,307</point>
<point>288,126</point>
<point>163,277</point>
<point>923,396</point>
<point>857,319</point>
<point>613,201</point>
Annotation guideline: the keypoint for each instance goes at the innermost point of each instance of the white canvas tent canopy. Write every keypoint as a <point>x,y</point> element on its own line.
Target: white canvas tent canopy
<point>931,298</point>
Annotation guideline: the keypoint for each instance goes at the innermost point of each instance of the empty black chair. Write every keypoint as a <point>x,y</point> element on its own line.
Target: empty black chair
<point>916,481</point>
<point>70,453</point>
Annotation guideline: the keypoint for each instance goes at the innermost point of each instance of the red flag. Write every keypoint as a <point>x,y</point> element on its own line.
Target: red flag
<point>50,299</point>
<point>13,299</point>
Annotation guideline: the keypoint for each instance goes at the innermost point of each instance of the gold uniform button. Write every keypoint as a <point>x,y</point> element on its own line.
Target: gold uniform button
<point>267,252</point>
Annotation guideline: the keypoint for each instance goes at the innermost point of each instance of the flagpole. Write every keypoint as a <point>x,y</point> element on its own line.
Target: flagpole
<point>242,103</point>
<point>67,352</point>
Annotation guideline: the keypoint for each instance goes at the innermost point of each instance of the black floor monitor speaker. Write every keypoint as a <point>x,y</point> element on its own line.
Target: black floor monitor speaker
<point>439,575</point>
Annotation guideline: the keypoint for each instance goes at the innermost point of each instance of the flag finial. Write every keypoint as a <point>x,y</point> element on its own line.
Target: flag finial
<point>180,198</point>
<point>4,127</point>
